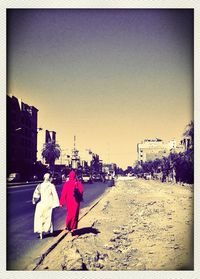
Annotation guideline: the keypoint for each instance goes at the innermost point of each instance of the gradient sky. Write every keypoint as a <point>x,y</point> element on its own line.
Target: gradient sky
<point>110,77</point>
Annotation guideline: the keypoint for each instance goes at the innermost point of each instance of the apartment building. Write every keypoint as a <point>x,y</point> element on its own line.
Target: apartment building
<point>21,135</point>
<point>150,149</point>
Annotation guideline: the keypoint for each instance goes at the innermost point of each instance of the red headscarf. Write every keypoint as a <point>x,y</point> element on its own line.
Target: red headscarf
<point>72,175</point>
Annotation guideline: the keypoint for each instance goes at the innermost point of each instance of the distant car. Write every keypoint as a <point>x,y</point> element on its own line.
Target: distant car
<point>98,177</point>
<point>108,176</point>
<point>56,178</point>
<point>14,177</point>
<point>86,178</point>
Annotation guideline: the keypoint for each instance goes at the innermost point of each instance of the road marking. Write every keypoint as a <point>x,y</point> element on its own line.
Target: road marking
<point>22,186</point>
<point>28,201</point>
<point>28,185</point>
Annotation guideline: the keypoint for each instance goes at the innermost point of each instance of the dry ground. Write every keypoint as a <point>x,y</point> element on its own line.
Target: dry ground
<point>138,225</point>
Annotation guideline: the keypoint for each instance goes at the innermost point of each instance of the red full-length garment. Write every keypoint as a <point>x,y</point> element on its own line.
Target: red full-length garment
<point>67,197</point>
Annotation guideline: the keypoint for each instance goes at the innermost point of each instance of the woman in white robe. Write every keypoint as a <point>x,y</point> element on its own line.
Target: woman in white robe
<point>48,196</point>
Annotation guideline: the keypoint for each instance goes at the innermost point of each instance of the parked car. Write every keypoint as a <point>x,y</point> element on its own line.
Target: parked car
<point>14,177</point>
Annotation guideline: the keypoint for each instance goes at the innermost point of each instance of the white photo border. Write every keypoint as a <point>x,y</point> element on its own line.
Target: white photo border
<point>107,5</point>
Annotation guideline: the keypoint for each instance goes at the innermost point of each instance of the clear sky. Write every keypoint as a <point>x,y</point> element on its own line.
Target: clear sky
<point>111,77</point>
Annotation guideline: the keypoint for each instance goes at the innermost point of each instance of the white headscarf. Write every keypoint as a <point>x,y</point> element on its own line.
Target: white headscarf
<point>47,177</point>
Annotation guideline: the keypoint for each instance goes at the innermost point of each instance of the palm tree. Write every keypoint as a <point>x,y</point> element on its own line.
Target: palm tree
<point>50,152</point>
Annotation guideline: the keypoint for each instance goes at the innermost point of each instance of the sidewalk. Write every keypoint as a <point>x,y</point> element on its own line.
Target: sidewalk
<point>137,225</point>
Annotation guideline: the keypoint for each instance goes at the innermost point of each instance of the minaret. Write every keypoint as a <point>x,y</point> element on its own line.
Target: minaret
<point>75,157</point>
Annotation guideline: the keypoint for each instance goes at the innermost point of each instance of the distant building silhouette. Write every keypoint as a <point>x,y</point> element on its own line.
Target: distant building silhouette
<point>186,143</point>
<point>50,136</point>
<point>21,135</point>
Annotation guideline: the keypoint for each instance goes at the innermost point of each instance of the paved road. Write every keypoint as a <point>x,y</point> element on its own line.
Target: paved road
<point>22,243</point>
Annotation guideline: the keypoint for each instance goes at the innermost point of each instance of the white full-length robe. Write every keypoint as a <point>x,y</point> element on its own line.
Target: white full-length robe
<point>43,211</point>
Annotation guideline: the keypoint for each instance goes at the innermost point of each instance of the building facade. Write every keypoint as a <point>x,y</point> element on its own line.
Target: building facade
<point>151,149</point>
<point>186,143</point>
<point>21,135</point>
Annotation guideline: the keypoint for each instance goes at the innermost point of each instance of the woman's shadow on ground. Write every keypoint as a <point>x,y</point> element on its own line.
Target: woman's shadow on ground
<point>77,232</point>
<point>54,234</point>
<point>86,230</point>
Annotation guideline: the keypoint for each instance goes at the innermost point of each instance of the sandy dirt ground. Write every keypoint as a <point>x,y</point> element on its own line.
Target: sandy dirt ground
<point>138,225</point>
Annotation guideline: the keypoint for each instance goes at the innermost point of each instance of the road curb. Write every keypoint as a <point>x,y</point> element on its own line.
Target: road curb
<point>62,235</point>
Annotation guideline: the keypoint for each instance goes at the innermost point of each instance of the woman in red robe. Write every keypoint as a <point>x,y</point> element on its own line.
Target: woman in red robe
<point>67,197</point>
